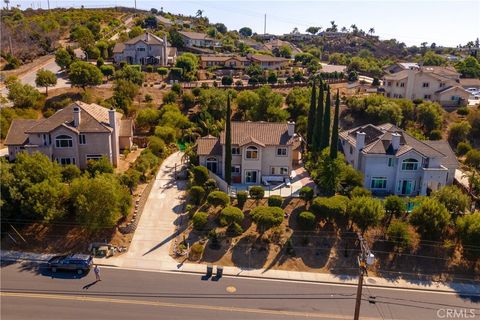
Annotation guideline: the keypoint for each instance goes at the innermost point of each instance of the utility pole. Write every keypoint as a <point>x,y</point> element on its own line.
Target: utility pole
<point>48,4</point>
<point>365,258</point>
<point>135,4</point>
<point>265,24</point>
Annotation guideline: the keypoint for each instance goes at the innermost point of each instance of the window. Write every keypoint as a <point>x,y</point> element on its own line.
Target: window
<point>212,164</point>
<point>425,84</point>
<point>82,139</point>
<point>235,169</point>
<point>250,176</point>
<point>281,152</point>
<point>66,161</point>
<point>427,96</point>
<point>63,141</point>
<point>284,171</point>
<point>140,49</point>
<point>390,162</point>
<point>93,157</point>
<point>442,84</point>
<point>389,83</point>
<point>402,84</point>
<point>351,149</point>
<point>378,183</point>
<point>455,98</point>
<point>409,164</point>
<point>235,151</point>
<point>252,152</point>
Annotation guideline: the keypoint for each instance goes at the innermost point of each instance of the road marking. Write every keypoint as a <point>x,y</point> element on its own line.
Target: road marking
<point>231,289</point>
<point>177,305</point>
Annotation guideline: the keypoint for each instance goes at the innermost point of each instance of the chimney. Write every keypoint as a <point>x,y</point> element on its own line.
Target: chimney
<point>360,141</point>
<point>395,141</point>
<point>112,120</point>
<point>147,36</point>
<point>76,116</point>
<point>291,128</point>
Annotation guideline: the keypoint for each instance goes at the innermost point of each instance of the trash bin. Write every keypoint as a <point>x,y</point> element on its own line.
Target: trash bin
<point>219,272</point>
<point>209,270</point>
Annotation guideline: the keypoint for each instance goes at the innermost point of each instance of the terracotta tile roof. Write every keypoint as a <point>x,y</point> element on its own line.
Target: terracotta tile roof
<point>126,128</point>
<point>263,133</point>
<point>16,133</point>
<point>209,145</point>
<point>195,35</point>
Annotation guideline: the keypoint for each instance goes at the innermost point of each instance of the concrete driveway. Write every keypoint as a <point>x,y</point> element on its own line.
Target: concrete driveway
<point>150,246</point>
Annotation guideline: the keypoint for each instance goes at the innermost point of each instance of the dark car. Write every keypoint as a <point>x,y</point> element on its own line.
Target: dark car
<point>74,262</point>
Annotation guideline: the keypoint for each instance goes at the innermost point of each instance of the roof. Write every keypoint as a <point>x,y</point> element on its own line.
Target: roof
<point>378,140</point>
<point>397,76</point>
<point>450,88</point>
<point>262,133</point>
<point>408,65</point>
<point>146,37</point>
<point>16,133</point>
<point>440,73</point>
<point>443,146</point>
<point>267,58</point>
<point>126,127</point>
<point>221,58</point>
<point>195,35</point>
<point>119,47</point>
<point>332,68</point>
<point>209,145</point>
<point>163,20</point>
<point>93,119</point>
<point>470,82</point>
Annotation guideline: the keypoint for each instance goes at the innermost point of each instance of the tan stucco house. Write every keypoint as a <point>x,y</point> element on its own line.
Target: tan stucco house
<point>262,152</point>
<point>197,39</point>
<point>73,135</point>
<point>223,61</point>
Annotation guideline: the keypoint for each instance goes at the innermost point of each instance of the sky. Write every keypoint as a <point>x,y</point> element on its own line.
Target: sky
<point>445,22</point>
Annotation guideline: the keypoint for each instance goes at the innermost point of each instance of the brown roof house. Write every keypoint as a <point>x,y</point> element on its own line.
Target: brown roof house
<point>223,61</point>
<point>393,162</point>
<point>268,62</point>
<point>145,49</point>
<point>261,152</point>
<point>73,135</point>
<point>197,39</point>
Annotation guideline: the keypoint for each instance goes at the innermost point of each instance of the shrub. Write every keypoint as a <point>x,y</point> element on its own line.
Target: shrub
<point>170,97</point>
<point>149,68</point>
<point>230,215</point>
<point>188,100</point>
<point>167,134</point>
<point>306,194</point>
<point>399,234</point>
<point>200,220</point>
<point>430,218</point>
<point>102,165</point>
<point>196,251</point>
<point>197,194</point>
<point>330,208</point>
<point>100,62</point>
<point>107,70</point>
<point>267,217</point>
<point>468,228</point>
<point>256,192</point>
<point>148,98</point>
<point>162,71</point>
<point>463,111</point>
<point>196,91</point>
<point>235,229</point>
<point>241,198</point>
<point>306,220</point>
<point>210,185</point>
<point>463,148</point>
<point>366,212</point>
<point>360,192</point>
<point>275,201</point>
<point>435,135</point>
<point>227,80</point>
<point>218,198</point>
<point>200,175</point>
<point>70,172</point>
<point>177,88</point>
<point>239,83</point>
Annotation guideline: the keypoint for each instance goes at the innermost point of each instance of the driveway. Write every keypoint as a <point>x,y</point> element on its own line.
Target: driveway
<point>150,246</point>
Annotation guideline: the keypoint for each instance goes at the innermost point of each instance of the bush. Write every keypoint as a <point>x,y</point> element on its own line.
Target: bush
<point>148,98</point>
<point>210,185</point>
<point>200,175</point>
<point>239,83</point>
<point>235,229</point>
<point>330,208</point>
<point>366,212</point>
<point>230,215</point>
<point>275,201</point>
<point>360,192</point>
<point>267,217</point>
<point>70,172</point>
<point>399,234</point>
<point>200,220</point>
<point>218,198</point>
<point>177,88</point>
<point>197,194</point>
<point>306,194</point>
<point>463,111</point>
<point>107,70</point>
<point>162,71</point>
<point>463,148</point>
<point>102,165</point>
<point>435,135</point>
<point>227,80</point>
<point>170,97</point>
<point>430,218</point>
<point>188,100</point>
<point>241,198</point>
<point>196,252</point>
<point>149,68</point>
<point>167,134</point>
<point>256,192</point>
<point>306,220</point>
<point>468,228</point>
<point>100,62</point>
<point>196,91</point>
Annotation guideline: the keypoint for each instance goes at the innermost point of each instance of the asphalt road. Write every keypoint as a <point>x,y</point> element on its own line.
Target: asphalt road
<point>29,292</point>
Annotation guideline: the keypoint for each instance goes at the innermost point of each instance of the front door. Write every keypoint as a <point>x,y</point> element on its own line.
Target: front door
<point>251,176</point>
<point>406,187</point>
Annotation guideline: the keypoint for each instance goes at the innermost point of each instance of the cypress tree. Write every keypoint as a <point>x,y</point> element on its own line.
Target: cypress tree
<point>311,115</point>
<point>228,144</point>
<point>326,121</point>
<point>318,128</point>
<point>334,142</point>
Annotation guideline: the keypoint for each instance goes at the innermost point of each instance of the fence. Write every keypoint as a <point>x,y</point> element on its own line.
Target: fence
<point>283,191</point>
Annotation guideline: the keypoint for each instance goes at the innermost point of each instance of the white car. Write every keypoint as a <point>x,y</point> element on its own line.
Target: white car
<point>473,91</point>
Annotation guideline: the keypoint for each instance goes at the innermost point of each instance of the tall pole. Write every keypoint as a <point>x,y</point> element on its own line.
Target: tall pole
<point>48,4</point>
<point>135,4</point>
<point>366,258</point>
<point>265,24</point>
<point>359,295</point>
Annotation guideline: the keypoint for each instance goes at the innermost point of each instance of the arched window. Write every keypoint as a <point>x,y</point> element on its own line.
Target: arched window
<point>409,164</point>
<point>212,164</point>
<point>252,152</point>
<point>63,141</point>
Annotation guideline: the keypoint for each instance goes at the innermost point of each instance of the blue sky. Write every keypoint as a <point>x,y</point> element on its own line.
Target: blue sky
<point>444,22</point>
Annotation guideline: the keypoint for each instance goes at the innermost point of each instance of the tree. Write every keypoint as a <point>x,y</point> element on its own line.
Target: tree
<point>326,121</point>
<point>334,142</point>
<point>430,218</point>
<point>22,95</point>
<point>285,51</point>
<point>227,80</point>
<point>468,228</point>
<point>102,165</point>
<point>432,59</point>
<point>197,193</point>
<point>318,121</point>
<point>83,74</point>
<point>83,36</point>
<point>272,77</point>
<point>218,198</point>
<point>371,31</point>
<point>135,32</point>
<point>330,208</point>
<point>256,192</point>
<point>147,118</point>
<point>366,212</point>
<point>46,200</point>
<point>246,100</point>
<point>199,13</point>
<point>311,114</point>
<point>70,172</point>
<point>458,132</point>
<point>245,32</point>
<point>313,30</point>
<point>267,217</point>
<point>45,78</point>
<point>188,62</point>
<point>63,58</point>
<point>200,220</point>
<point>221,28</point>
<point>399,234</point>
<point>200,175</point>
<point>306,194</point>
<point>230,215</point>
<point>469,67</point>
<point>275,201</point>
<point>306,220</point>
<point>394,207</point>
<point>228,144</point>
<point>130,73</point>
<point>429,115</point>
<point>453,199</point>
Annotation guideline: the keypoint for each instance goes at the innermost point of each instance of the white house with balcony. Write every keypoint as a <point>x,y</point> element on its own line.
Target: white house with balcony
<point>262,152</point>
<point>393,162</point>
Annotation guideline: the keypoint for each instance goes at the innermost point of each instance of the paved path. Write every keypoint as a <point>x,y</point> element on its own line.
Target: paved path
<point>28,291</point>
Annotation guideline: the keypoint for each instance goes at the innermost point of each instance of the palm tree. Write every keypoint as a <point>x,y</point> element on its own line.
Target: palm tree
<point>371,31</point>
<point>344,29</point>
<point>354,28</point>
<point>199,13</point>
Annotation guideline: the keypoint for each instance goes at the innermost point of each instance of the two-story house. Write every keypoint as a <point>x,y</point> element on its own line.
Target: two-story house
<point>438,84</point>
<point>261,152</point>
<point>393,162</point>
<point>145,49</point>
<point>73,135</point>
<point>197,39</point>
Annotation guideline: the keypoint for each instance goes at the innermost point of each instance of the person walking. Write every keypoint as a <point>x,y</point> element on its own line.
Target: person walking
<point>96,269</point>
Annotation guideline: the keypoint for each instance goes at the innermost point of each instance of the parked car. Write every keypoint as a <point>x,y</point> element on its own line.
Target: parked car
<point>80,263</point>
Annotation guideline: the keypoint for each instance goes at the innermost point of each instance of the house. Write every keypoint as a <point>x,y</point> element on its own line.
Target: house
<point>468,83</point>
<point>393,162</point>
<point>73,135</point>
<point>261,151</point>
<point>145,49</point>
<point>164,21</point>
<point>231,62</point>
<point>268,62</point>
<point>440,84</point>
<point>276,44</point>
<point>197,39</point>
<point>400,66</point>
